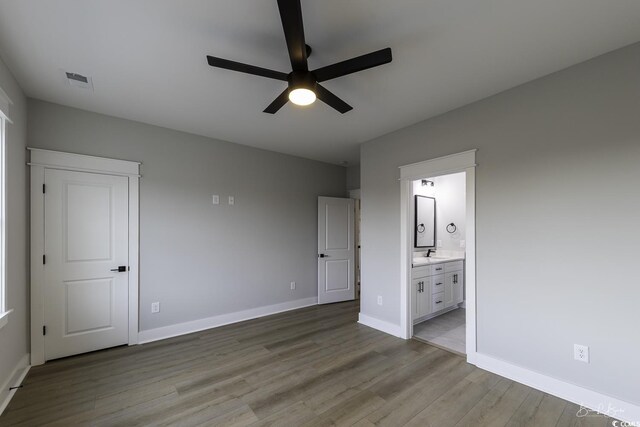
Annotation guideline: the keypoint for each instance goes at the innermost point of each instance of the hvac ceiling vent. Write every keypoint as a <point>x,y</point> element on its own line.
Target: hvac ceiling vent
<point>78,80</point>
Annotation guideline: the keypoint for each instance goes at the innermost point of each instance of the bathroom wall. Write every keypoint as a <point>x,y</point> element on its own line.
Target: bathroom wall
<point>450,194</point>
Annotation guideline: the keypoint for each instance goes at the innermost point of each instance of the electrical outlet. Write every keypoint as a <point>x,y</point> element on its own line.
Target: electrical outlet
<point>232,200</point>
<point>216,199</point>
<point>155,307</point>
<point>581,353</point>
<point>293,285</point>
<point>463,244</point>
<point>439,243</point>
<point>379,299</point>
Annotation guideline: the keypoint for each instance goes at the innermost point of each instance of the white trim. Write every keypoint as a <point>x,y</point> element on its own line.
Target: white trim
<point>46,159</point>
<point>462,162</point>
<point>134,257</point>
<point>5,103</point>
<point>221,320</point>
<point>3,218</point>
<point>439,166</point>
<point>82,163</point>
<point>381,325</point>
<point>354,194</point>
<point>13,380</point>
<point>4,318</point>
<point>562,389</point>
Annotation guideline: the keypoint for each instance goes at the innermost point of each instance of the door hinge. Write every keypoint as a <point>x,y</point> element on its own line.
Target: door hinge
<point>44,188</point>
<point>44,259</point>
<point>44,330</point>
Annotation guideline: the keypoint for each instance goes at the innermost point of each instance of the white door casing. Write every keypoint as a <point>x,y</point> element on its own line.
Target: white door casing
<point>47,162</point>
<point>461,162</point>
<point>86,237</point>
<point>336,250</point>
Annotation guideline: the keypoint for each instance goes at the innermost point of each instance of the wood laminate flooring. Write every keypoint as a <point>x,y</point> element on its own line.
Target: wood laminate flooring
<point>310,367</point>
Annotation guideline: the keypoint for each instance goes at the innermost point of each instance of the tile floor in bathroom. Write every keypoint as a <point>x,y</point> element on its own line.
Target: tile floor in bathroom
<point>446,331</point>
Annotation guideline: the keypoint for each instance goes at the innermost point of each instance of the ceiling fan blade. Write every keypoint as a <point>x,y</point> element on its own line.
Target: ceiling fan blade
<point>278,102</point>
<point>245,68</point>
<point>353,65</point>
<point>331,100</point>
<point>291,16</point>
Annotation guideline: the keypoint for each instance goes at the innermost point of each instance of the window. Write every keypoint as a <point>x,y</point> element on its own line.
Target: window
<point>4,111</point>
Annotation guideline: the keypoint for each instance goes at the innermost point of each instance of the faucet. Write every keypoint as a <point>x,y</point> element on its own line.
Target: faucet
<point>429,252</point>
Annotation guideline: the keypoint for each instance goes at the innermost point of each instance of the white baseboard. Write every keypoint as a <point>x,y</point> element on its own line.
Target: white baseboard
<point>14,380</point>
<point>381,325</point>
<point>593,400</point>
<point>221,320</point>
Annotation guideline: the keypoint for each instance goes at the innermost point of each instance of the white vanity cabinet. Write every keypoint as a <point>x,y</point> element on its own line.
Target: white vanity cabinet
<point>421,298</point>
<point>436,288</point>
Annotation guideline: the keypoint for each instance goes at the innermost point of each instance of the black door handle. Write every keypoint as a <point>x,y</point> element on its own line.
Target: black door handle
<point>120,269</point>
<point>323,256</point>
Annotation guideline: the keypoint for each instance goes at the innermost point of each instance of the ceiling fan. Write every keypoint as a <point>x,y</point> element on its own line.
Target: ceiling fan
<point>304,85</point>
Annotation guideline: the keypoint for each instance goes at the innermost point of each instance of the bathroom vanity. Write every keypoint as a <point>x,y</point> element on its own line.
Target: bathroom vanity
<point>437,286</point>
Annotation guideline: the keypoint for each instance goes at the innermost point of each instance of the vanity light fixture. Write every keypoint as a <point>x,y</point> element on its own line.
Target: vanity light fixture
<point>426,182</point>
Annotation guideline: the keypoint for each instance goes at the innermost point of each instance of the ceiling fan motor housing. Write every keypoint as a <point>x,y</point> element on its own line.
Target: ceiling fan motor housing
<point>302,80</point>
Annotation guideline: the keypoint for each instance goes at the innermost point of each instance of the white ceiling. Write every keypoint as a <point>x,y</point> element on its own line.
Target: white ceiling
<point>147,60</point>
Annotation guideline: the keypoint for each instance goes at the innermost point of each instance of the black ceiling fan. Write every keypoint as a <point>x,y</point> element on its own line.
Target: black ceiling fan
<point>304,85</point>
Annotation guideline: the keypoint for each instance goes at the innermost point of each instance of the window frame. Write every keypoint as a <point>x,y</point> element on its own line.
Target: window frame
<point>4,119</point>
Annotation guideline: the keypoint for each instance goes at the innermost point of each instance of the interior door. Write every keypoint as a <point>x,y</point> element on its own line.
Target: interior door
<point>85,265</point>
<point>336,250</point>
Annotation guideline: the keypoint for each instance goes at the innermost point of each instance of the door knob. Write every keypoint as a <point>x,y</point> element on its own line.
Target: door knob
<point>120,269</point>
<point>322,256</point>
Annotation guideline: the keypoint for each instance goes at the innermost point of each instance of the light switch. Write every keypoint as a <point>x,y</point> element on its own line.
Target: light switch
<point>216,199</point>
<point>232,200</point>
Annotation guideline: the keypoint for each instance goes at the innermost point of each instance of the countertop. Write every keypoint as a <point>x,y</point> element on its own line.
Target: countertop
<point>421,261</point>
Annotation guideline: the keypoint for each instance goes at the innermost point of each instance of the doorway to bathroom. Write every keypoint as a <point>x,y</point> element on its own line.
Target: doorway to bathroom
<point>438,252</point>
<point>437,264</point>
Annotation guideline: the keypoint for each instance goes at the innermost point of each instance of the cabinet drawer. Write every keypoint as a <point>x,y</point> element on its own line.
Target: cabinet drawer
<point>437,269</point>
<point>453,266</point>
<point>437,301</point>
<point>417,272</point>
<point>437,284</point>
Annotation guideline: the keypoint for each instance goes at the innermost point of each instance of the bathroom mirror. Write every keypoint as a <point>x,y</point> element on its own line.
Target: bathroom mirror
<point>425,222</point>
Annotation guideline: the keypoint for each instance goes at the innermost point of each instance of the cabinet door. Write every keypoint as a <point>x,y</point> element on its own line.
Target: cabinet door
<point>458,287</point>
<point>424,297</point>
<point>415,296</point>
<point>448,289</point>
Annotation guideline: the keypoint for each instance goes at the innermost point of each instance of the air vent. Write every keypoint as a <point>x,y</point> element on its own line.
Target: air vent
<point>77,77</point>
<point>78,80</point>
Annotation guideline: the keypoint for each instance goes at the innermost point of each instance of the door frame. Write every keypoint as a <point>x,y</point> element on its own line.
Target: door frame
<point>455,163</point>
<point>42,160</point>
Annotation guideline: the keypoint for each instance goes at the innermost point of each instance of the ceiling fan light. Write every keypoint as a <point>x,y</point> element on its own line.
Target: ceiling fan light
<point>302,96</point>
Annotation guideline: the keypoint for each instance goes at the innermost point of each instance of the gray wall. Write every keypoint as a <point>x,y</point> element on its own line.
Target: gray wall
<point>353,177</point>
<point>197,259</point>
<point>557,219</point>
<point>14,338</point>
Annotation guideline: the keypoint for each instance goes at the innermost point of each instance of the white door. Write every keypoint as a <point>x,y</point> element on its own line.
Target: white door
<point>335,250</point>
<point>86,239</point>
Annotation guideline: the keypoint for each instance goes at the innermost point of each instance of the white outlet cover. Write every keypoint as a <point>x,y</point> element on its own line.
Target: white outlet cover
<point>581,353</point>
<point>155,307</point>
<point>293,285</point>
<point>379,300</point>
<point>216,199</point>
<point>439,244</point>
<point>463,243</point>
<point>232,200</point>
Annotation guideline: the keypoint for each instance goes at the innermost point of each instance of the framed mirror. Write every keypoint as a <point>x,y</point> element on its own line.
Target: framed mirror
<point>425,222</point>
